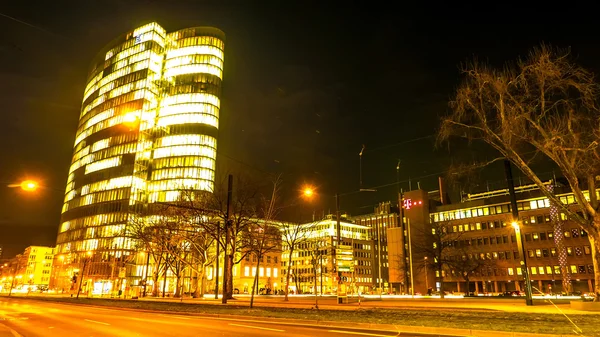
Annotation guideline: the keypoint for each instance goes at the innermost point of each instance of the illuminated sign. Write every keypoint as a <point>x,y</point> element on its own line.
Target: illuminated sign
<point>408,203</point>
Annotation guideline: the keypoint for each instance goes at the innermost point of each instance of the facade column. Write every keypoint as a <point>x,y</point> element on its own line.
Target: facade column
<point>590,286</point>
<point>517,286</point>
<point>476,287</point>
<point>458,286</point>
<point>541,286</point>
<point>495,286</point>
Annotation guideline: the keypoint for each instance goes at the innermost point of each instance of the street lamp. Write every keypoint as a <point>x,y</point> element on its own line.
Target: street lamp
<point>525,269</point>
<point>26,185</point>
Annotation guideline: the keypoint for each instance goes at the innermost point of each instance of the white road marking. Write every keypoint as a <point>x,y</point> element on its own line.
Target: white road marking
<point>256,327</point>
<point>89,320</point>
<point>173,316</point>
<point>358,333</point>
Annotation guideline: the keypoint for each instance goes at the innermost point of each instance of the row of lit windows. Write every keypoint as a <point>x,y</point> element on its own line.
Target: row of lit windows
<point>188,172</point>
<point>189,108</point>
<point>191,50</point>
<point>187,140</point>
<point>261,272</point>
<point>90,245</point>
<point>191,98</point>
<point>101,155</point>
<point>94,220</point>
<point>197,41</point>
<point>185,150</point>
<point>194,68</point>
<point>106,89</point>
<point>499,209</point>
<point>107,120</point>
<point>549,270</point>
<point>109,184</point>
<point>192,118</point>
<point>136,94</point>
<point>178,184</point>
<point>103,164</point>
<point>95,198</point>
<point>194,59</point>
<point>184,161</point>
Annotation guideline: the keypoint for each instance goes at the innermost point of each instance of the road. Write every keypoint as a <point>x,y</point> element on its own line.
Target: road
<point>28,318</point>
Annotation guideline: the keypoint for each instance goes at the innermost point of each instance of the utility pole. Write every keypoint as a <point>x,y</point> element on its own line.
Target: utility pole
<point>339,243</point>
<point>518,233</point>
<point>228,258</point>
<point>410,259</point>
<point>217,262</point>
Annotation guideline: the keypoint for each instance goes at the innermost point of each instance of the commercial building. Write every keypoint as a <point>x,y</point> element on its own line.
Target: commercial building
<point>31,270</point>
<point>147,129</point>
<point>385,216</point>
<point>314,266</point>
<point>479,230</point>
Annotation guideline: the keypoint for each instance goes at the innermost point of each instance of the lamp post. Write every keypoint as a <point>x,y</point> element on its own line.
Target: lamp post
<point>426,279</point>
<point>523,262</point>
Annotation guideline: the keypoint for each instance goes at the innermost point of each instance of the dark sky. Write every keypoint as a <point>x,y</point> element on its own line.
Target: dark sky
<point>305,85</point>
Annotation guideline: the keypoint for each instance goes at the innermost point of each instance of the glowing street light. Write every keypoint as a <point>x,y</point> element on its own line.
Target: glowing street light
<point>308,192</point>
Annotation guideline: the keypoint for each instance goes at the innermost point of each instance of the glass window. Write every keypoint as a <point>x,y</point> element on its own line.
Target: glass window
<point>538,253</point>
<point>578,251</point>
<point>541,270</point>
<point>530,253</point>
<point>570,251</point>
<point>581,269</point>
<point>590,269</point>
<point>533,271</point>
<point>553,252</point>
<point>587,250</point>
<point>532,219</point>
<point>548,270</point>
<point>545,252</point>
<point>573,269</point>
<point>511,271</point>
<point>527,237</point>
<point>542,236</point>
<point>519,271</point>
<point>505,239</point>
<point>567,234</point>
<point>535,236</point>
<point>557,270</point>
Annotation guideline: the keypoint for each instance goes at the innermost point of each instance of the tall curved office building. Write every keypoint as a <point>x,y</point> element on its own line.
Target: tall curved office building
<point>147,129</point>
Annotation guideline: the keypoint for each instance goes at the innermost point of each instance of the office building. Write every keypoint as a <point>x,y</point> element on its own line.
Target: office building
<point>31,270</point>
<point>384,216</point>
<point>147,129</point>
<point>314,266</point>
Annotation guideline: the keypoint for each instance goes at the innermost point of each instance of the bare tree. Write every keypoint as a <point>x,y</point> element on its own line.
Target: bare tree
<point>264,236</point>
<point>241,215</point>
<point>294,235</point>
<point>464,265</point>
<point>440,251</point>
<point>545,106</point>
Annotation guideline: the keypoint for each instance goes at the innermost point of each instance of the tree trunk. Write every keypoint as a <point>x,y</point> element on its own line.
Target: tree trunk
<point>255,283</point>
<point>178,285</point>
<point>229,276</point>
<point>441,283</point>
<point>155,280</point>
<point>594,237</point>
<point>296,280</point>
<point>468,286</point>
<point>287,276</point>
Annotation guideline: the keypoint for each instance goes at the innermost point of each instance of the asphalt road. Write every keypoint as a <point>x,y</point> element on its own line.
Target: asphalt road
<point>32,318</point>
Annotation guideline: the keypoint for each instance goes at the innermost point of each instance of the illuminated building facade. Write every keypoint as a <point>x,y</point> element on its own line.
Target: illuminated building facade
<point>479,228</point>
<point>314,264</point>
<point>384,217</point>
<point>147,129</point>
<point>31,269</point>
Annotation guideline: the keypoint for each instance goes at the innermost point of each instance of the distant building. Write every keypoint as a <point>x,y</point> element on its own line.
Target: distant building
<point>385,216</point>
<point>314,262</point>
<point>31,269</point>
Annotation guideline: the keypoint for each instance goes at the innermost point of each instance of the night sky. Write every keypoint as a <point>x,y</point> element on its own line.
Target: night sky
<point>305,86</point>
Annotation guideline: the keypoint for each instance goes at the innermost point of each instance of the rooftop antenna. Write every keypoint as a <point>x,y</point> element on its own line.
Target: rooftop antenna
<point>398,176</point>
<point>360,166</point>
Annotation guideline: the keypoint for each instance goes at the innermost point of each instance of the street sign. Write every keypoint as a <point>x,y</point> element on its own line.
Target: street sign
<point>345,258</point>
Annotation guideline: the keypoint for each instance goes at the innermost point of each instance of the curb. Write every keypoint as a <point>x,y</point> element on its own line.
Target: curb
<point>401,330</point>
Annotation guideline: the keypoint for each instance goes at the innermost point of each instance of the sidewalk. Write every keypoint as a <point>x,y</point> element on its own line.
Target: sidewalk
<point>329,303</point>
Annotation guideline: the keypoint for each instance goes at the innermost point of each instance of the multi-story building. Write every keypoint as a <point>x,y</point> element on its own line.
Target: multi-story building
<point>147,129</point>
<point>479,229</point>
<point>31,269</point>
<point>385,216</point>
<point>314,266</point>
